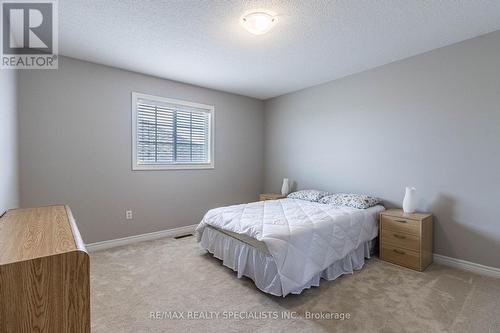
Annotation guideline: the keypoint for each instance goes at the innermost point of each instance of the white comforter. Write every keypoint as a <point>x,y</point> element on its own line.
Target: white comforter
<point>303,237</point>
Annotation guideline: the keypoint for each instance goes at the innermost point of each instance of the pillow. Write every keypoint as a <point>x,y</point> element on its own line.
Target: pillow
<point>360,201</point>
<point>308,195</point>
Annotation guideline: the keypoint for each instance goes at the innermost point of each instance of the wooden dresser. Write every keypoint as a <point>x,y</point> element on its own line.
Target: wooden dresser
<point>406,239</point>
<point>44,272</point>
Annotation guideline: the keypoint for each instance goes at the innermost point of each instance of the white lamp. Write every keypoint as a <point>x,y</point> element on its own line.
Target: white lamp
<point>410,200</point>
<point>285,188</point>
<point>258,22</point>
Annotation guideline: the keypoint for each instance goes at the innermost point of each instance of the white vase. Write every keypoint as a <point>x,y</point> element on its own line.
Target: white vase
<point>409,202</point>
<point>285,188</point>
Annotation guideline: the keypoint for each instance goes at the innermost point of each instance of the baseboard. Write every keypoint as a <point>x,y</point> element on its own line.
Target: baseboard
<point>467,265</point>
<point>438,258</point>
<point>108,244</point>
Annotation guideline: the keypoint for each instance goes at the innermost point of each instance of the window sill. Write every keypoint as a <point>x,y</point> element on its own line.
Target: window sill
<point>172,167</point>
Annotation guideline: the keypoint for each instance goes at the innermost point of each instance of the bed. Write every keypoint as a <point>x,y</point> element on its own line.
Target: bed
<point>288,245</point>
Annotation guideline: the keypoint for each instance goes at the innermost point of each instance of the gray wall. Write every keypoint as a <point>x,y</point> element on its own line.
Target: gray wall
<point>9,184</point>
<point>75,148</point>
<point>431,121</point>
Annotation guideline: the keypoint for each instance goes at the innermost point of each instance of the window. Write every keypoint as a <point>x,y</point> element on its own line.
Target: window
<point>171,134</point>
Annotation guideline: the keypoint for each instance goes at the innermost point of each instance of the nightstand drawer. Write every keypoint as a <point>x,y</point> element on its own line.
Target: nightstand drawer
<point>400,224</point>
<point>403,257</point>
<point>399,239</point>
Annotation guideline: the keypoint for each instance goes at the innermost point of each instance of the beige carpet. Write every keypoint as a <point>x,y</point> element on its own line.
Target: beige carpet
<point>168,275</point>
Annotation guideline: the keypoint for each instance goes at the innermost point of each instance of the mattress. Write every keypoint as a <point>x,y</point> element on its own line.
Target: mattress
<point>304,238</point>
<point>261,246</point>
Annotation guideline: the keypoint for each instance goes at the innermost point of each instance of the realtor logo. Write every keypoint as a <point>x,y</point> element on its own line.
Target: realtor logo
<point>29,34</point>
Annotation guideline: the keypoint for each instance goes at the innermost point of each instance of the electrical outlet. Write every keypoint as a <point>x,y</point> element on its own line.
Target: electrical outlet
<point>128,215</point>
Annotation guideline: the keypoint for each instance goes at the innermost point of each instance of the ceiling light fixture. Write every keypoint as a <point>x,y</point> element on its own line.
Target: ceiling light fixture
<point>258,22</point>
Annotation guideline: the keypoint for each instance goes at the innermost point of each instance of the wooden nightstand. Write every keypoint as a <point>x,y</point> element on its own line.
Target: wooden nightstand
<point>270,196</point>
<point>406,239</point>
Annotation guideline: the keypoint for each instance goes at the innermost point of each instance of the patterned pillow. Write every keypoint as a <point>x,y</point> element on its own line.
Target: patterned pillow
<point>309,195</point>
<point>360,201</point>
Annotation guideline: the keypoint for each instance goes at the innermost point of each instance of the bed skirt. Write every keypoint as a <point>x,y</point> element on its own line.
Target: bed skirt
<point>247,261</point>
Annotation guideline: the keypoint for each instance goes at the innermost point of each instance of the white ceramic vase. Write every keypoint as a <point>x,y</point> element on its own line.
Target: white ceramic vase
<point>285,188</point>
<point>410,200</point>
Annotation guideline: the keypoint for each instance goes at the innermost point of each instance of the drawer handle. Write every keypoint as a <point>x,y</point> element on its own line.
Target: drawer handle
<point>400,221</point>
<point>399,251</point>
<point>399,236</point>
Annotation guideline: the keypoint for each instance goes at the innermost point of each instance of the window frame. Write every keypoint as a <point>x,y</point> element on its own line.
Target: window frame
<point>210,109</point>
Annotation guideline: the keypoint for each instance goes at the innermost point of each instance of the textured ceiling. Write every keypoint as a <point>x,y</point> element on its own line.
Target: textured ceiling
<point>202,43</point>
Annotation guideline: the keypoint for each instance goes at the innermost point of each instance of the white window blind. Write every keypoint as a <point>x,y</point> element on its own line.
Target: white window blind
<point>171,134</point>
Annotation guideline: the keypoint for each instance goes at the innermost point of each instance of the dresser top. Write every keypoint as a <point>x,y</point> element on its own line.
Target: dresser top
<point>400,213</point>
<point>31,233</point>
